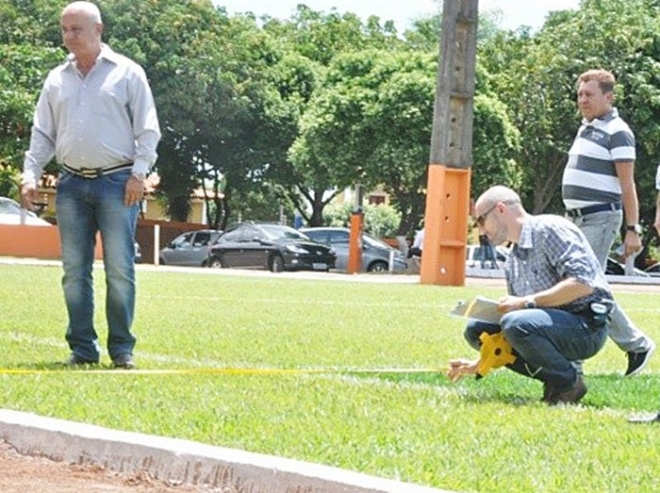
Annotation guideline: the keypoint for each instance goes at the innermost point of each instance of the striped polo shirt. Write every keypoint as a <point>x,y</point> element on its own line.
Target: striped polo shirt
<point>590,175</point>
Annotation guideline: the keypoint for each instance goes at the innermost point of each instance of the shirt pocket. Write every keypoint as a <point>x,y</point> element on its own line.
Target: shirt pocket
<point>111,100</point>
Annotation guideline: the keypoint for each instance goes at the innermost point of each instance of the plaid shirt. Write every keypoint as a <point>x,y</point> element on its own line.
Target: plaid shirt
<point>549,250</point>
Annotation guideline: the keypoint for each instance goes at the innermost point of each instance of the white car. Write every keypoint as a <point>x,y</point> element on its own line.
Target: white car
<point>473,257</point>
<point>11,212</point>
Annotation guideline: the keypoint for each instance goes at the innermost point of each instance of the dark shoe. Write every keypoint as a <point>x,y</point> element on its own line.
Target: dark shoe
<point>637,361</point>
<point>124,361</point>
<point>571,395</point>
<point>75,360</point>
<point>548,393</point>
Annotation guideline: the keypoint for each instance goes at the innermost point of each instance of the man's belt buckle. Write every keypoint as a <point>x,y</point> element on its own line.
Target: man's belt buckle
<point>90,173</point>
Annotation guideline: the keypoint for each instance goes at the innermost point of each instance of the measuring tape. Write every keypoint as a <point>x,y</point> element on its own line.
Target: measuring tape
<point>210,371</point>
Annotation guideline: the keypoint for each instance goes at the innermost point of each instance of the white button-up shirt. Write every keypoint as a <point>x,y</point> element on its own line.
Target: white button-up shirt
<point>104,119</point>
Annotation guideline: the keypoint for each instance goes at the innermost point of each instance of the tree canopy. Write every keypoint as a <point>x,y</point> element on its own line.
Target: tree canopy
<point>272,113</point>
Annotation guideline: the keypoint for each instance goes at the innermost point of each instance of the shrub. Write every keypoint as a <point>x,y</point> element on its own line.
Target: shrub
<point>379,220</point>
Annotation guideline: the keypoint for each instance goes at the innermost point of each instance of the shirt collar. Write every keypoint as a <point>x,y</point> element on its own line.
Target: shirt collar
<point>106,54</point>
<point>525,241</point>
<point>609,116</point>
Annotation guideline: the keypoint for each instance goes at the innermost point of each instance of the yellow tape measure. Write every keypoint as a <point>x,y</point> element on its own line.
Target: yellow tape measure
<point>210,371</point>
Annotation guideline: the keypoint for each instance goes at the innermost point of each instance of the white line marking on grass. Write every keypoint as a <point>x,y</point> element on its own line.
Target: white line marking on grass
<point>23,337</point>
<point>246,301</point>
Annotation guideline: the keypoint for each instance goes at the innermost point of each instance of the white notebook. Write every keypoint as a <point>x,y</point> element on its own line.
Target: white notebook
<point>480,308</point>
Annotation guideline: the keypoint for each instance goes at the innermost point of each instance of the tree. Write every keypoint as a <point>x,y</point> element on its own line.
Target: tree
<point>25,60</point>
<point>371,124</point>
<point>220,117</point>
<point>312,41</point>
<point>536,78</point>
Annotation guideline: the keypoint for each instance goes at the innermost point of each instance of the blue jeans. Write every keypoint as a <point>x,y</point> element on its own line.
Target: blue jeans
<point>545,342</point>
<point>85,207</point>
<point>600,229</point>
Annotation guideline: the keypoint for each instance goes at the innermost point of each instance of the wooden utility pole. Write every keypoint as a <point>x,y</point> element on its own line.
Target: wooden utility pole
<point>448,188</point>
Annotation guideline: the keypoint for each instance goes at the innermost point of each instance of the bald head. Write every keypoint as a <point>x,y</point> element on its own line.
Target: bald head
<point>498,193</point>
<point>499,214</point>
<point>81,32</point>
<point>86,9</point>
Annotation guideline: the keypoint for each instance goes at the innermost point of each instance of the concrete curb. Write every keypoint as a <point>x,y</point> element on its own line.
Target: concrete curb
<point>183,461</point>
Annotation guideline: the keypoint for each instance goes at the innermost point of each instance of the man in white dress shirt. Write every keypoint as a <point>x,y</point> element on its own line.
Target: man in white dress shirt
<point>96,116</point>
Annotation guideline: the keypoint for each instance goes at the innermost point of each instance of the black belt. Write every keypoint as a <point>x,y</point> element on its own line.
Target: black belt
<point>594,208</point>
<point>91,173</point>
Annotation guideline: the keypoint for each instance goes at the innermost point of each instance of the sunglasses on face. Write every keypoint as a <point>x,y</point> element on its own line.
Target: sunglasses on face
<point>481,219</point>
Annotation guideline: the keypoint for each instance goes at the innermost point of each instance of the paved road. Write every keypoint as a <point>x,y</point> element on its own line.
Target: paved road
<point>474,277</point>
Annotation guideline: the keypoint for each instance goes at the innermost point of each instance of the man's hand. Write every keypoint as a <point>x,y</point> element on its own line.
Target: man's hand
<point>134,191</point>
<point>633,244</point>
<point>29,195</point>
<point>460,367</point>
<point>510,303</point>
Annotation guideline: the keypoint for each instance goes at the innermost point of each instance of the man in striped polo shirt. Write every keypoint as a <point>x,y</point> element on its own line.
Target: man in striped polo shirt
<point>598,189</point>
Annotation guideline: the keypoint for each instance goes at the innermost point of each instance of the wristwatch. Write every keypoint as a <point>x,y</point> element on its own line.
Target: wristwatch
<point>637,228</point>
<point>530,304</point>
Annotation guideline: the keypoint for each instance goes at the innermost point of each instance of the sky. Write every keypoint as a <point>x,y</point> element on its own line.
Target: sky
<point>403,13</point>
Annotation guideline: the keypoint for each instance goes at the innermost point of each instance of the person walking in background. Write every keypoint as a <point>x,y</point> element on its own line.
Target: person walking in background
<point>97,117</point>
<point>598,183</point>
<point>418,244</point>
<point>554,284</point>
<point>487,252</point>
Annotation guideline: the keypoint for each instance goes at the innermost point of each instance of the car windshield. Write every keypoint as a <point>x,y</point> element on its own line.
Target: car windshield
<point>374,242</point>
<point>278,232</point>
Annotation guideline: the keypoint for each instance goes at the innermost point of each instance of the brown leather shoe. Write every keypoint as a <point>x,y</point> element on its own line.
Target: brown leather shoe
<point>548,393</point>
<point>571,395</point>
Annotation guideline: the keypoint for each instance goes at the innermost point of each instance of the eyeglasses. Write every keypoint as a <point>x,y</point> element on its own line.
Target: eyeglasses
<point>481,220</point>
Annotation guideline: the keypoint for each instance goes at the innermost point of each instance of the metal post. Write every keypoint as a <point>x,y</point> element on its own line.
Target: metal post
<point>156,244</point>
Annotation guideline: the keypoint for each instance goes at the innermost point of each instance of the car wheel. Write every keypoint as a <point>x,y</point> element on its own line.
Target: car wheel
<point>377,266</point>
<point>276,263</point>
<point>161,261</point>
<point>214,263</point>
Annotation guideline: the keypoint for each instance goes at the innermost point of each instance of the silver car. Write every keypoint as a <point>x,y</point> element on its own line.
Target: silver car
<point>190,249</point>
<point>375,253</point>
<point>11,213</point>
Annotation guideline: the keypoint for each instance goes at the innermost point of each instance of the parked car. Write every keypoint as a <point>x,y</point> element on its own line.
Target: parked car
<point>473,256</point>
<point>375,253</point>
<point>190,249</point>
<point>615,268</point>
<point>270,246</point>
<point>10,213</point>
<point>653,270</point>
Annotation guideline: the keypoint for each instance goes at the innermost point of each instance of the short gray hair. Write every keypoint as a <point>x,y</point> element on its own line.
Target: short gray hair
<point>88,8</point>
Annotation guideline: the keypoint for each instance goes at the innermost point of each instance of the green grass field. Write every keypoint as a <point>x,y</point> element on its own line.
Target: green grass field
<point>491,435</point>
